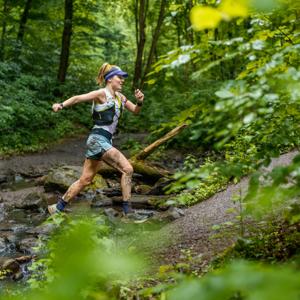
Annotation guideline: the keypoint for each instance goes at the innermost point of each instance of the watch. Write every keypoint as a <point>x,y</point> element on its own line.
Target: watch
<point>61,105</point>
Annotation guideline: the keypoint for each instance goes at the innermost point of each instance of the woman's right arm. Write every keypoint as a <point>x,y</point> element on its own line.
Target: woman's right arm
<point>94,95</point>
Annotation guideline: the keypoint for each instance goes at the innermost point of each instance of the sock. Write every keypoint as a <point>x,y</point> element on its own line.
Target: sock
<point>61,204</point>
<point>126,207</point>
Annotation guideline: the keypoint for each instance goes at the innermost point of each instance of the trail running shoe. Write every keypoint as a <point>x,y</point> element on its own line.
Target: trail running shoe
<point>52,209</point>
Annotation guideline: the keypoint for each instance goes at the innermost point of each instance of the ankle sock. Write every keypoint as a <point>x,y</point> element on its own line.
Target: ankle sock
<point>61,204</point>
<point>126,207</point>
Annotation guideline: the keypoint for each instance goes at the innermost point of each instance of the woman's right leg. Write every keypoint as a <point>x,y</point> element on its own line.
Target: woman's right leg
<point>89,171</point>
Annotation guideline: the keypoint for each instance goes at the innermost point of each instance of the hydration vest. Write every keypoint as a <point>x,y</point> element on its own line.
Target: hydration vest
<point>104,115</point>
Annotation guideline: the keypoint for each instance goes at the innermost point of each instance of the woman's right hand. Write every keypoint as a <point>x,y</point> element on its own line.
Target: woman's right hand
<point>56,107</point>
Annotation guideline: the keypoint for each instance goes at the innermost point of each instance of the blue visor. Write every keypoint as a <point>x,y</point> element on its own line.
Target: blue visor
<point>113,72</point>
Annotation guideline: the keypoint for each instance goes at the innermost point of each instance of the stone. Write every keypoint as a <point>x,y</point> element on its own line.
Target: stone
<point>3,178</point>
<point>27,245</point>
<point>2,245</point>
<point>43,229</point>
<point>33,201</point>
<point>143,189</point>
<point>112,192</point>
<point>101,202</point>
<point>111,214</point>
<point>172,214</point>
<point>62,177</point>
<point>159,186</point>
<point>9,265</point>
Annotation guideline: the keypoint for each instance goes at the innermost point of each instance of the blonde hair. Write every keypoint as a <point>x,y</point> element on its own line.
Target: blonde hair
<point>104,69</point>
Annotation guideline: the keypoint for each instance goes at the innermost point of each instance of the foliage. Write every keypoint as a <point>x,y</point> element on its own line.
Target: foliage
<point>80,262</point>
<point>253,282</point>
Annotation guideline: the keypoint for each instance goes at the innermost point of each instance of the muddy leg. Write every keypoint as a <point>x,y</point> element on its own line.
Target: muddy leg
<point>116,159</point>
<point>89,171</point>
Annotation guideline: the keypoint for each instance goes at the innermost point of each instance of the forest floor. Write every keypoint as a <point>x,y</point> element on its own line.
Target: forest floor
<point>204,231</point>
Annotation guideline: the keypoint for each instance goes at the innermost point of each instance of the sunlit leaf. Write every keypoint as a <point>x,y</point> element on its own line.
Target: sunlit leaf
<point>205,17</point>
<point>234,8</point>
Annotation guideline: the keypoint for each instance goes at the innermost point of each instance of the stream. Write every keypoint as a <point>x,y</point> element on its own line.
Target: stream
<point>24,197</point>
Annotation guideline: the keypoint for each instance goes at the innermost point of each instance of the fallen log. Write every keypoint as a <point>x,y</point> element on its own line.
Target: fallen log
<point>140,167</point>
<point>137,161</point>
<point>149,149</point>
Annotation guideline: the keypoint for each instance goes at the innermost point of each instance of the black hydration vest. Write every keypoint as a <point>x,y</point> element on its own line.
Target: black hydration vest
<point>106,116</point>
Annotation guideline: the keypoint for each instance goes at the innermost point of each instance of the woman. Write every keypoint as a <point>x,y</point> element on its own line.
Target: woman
<point>108,104</point>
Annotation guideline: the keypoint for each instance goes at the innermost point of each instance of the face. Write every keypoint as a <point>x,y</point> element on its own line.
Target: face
<point>117,82</point>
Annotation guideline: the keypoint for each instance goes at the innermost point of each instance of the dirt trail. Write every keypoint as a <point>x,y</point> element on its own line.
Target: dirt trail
<point>68,152</point>
<point>194,230</point>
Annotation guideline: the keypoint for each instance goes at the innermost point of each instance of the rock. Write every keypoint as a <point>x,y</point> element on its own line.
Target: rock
<point>2,245</point>
<point>112,183</point>
<point>142,189</point>
<point>3,213</point>
<point>112,192</point>
<point>158,188</point>
<point>101,202</point>
<point>9,266</point>
<point>41,180</point>
<point>61,178</point>
<point>173,213</point>
<point>111,213</point>
<point>18,228</point>
<point>3,178</point>
<point>44,229</point>
<point>27,245</point>
<point>33,201</point>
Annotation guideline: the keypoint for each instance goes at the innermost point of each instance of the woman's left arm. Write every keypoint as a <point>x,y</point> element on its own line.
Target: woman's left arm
<point>135,108</point>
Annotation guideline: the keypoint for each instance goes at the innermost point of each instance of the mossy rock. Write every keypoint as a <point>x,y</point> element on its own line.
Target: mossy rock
<point>62,177</point>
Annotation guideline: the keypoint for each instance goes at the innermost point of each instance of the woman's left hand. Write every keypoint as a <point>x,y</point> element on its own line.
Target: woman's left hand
<point>139,95</point>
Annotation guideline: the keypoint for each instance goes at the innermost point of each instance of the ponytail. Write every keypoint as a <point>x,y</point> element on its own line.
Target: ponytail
<point>104,69</point>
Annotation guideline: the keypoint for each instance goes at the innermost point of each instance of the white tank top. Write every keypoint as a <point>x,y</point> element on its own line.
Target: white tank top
<point>110,101</point>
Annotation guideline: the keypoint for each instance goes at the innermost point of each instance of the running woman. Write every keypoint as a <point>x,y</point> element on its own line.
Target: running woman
<point>108,104</point>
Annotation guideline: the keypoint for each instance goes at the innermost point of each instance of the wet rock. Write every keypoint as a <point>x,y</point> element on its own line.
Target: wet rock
<point>19,228</point>
<point>112,192</point>
<point>9,266</point>
<point>160,185</point>
<point>112,183</point>
<point>44,229</point>
<point>3,213</point>
<point>61,178</point>
<point>112,214</point>
<point>3,178</point>
<point>161,202</point>
<point>173,213</point>
<point>27,245</point>
<point>142,189</point>
<point>2,245</point>
<point>33,201</point>
<point>101,201</point>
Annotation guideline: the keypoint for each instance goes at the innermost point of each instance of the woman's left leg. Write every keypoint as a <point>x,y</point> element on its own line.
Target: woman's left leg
<point>117,160</point>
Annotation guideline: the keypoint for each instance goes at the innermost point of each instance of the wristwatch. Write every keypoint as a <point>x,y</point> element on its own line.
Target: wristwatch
<point>61,105</point>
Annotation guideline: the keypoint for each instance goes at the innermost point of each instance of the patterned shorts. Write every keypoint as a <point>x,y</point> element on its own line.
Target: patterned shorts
<point>97,145</point>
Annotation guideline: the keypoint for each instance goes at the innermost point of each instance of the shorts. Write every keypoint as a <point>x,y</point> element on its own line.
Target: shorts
<point>98,142</point>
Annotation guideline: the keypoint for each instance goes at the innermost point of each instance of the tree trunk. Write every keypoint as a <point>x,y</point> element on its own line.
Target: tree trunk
<point>22,27</point>
<point>157,30</point>
<point>141,11</point>
<point>4,24</point>
<point>66,41</point>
